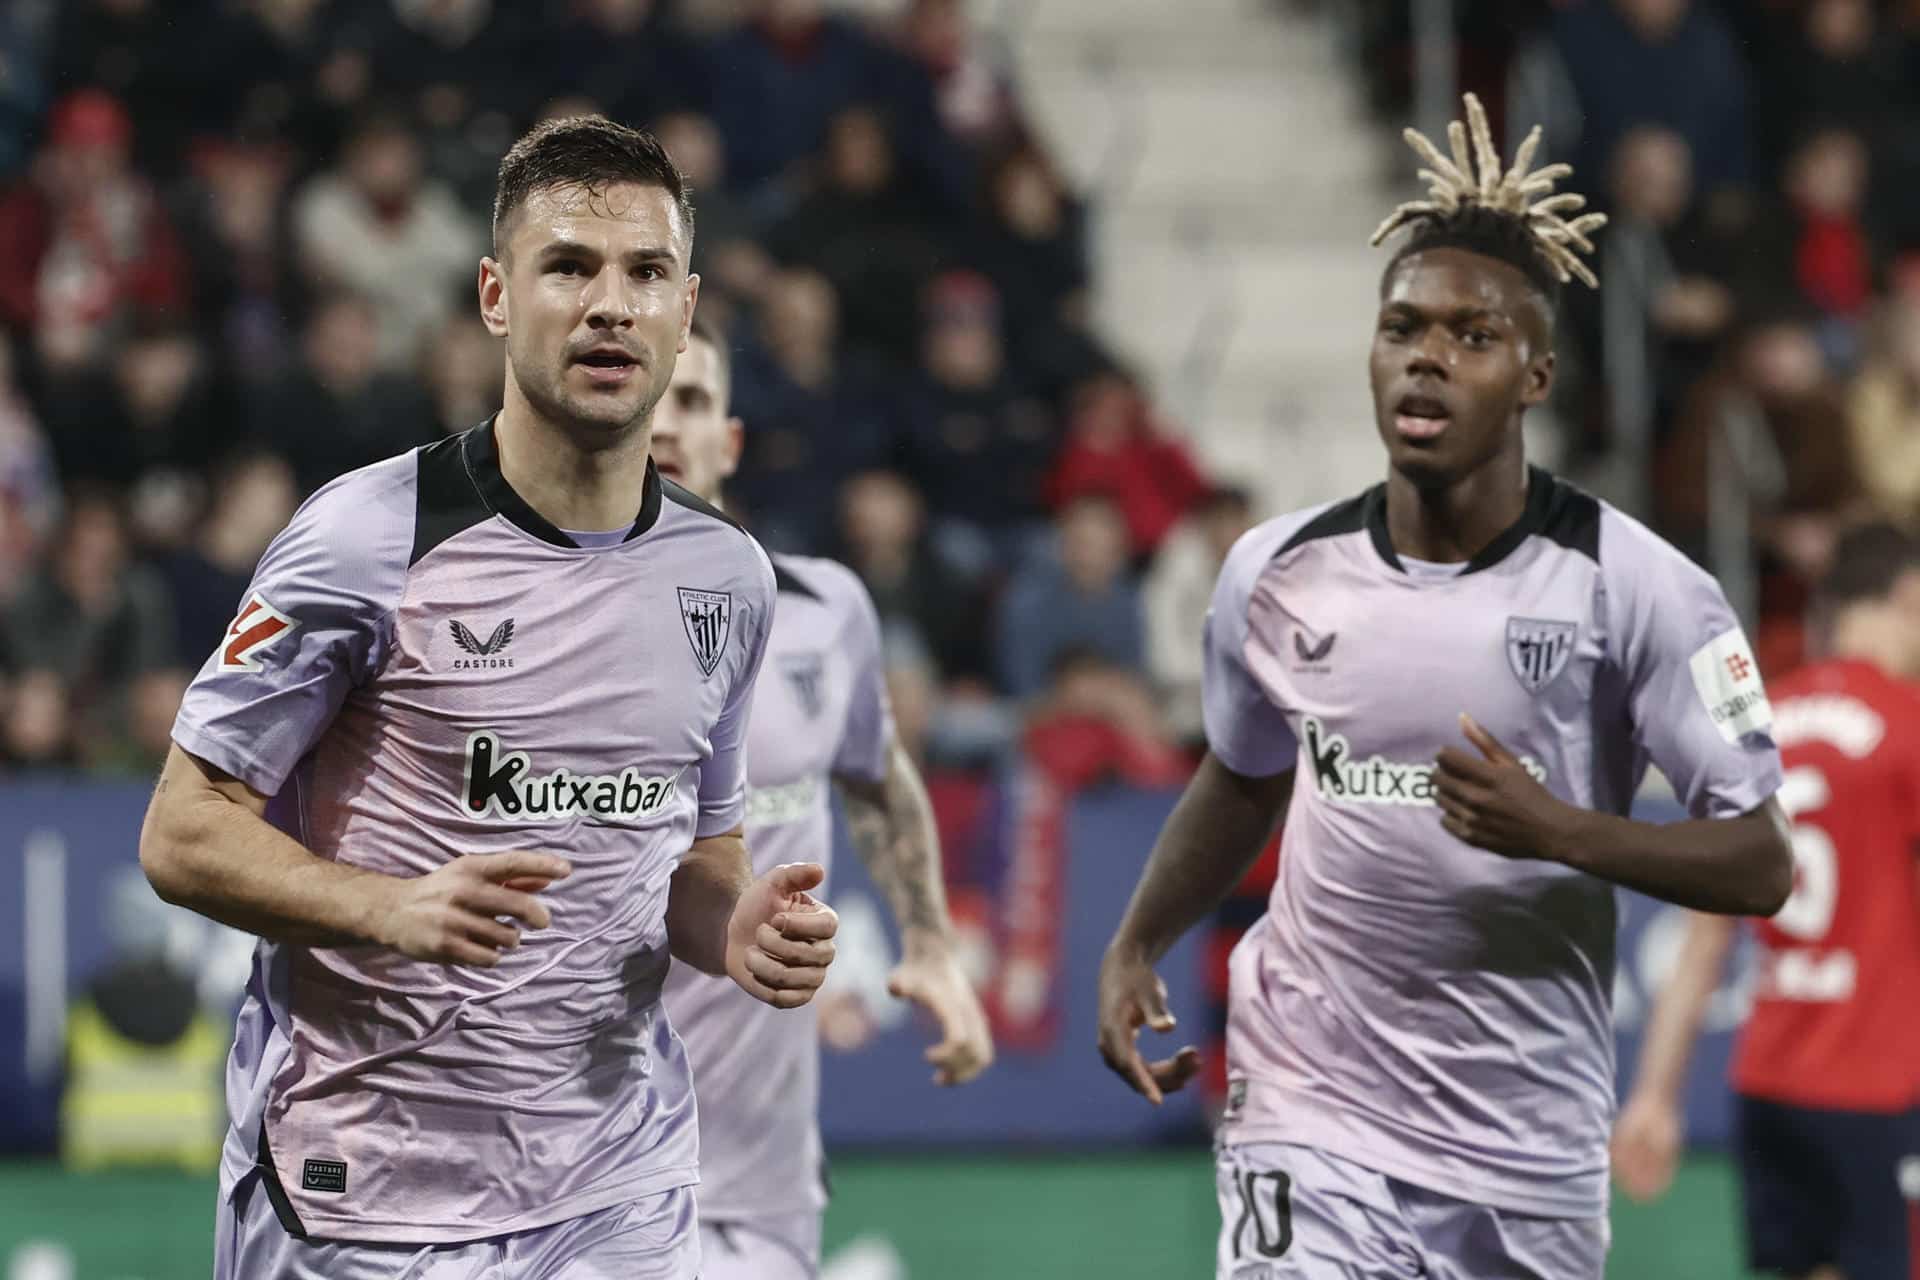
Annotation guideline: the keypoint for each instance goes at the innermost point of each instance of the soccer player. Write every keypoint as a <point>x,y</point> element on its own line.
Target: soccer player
<point>1451,686</point>
<point>821,715</point>
<point>1827,1072</point>
<point>470,762</point>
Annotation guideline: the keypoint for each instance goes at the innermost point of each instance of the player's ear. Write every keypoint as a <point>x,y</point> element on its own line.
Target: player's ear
<point>1539,383</point>
<point>493,296</point>
<point>736,440</point>
<point>687,305</point>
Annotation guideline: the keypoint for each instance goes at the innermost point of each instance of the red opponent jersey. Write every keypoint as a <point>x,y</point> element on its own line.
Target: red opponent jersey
<point>1836,1014</point>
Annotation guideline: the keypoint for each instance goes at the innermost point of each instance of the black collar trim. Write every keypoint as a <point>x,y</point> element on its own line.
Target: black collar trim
<point>481,456</point>
<point>1542,492</point>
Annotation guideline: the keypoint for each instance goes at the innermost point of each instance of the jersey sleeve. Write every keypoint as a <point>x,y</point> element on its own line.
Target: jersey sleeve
<point>1246,730</point>
<point>867,738</point>
<point>723,775</point>
<point>1697,704</point>
<point>313,625</point>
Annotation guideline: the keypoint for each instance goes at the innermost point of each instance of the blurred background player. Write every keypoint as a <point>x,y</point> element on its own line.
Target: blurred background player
<point>1827,1071</point>
<point>482,851</point>
<point>821,713</point>
<point>1419,1039</point>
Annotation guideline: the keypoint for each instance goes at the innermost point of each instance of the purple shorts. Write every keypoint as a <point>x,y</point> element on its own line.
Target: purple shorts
<point>1298,1213</point>
<point>653,1238</point>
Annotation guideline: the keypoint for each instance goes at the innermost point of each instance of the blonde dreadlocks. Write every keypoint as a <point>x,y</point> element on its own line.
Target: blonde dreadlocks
<point>1510,206</point>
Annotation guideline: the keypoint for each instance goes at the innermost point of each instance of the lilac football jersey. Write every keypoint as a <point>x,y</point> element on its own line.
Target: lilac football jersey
<point>424,668</point>
<point>1424,1008</point>
<point>822,710</point>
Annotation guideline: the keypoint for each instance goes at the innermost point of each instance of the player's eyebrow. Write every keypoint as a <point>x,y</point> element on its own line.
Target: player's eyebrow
<point>557,249</point>
<point>1457,315</point>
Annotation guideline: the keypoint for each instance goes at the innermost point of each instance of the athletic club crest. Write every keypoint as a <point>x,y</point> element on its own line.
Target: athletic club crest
<point>1538,650</point>
<point>707,615</point>
<point>806,672</point>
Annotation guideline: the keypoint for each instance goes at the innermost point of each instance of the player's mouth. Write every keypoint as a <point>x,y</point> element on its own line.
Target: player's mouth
<point>1419,417</point>
<point>668,468</point>
<point>608,366</point>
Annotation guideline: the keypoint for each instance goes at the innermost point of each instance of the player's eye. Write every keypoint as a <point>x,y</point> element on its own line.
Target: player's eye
<point>1396,326</point>
<point>567,267</point>
<point>649,272</point>
<point>1478,338</point>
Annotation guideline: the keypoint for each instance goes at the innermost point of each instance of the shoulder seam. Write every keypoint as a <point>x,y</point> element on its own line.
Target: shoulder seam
<point>694,502</point>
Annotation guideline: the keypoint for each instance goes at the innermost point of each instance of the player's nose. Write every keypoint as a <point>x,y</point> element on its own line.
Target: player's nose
<point>609,299</point>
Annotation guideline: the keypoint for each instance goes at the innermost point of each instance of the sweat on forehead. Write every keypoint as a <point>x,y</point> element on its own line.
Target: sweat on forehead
<point>1448,278</point>
<point>643,204</point>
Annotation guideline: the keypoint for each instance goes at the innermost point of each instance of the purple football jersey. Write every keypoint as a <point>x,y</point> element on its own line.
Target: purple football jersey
<point>424,668</point>
<point>1427,1009</point>
<point>822,710</point>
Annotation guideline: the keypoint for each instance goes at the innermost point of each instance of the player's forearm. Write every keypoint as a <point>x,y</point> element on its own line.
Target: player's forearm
<point>890,825</point>
<point>1674,1024</point>
<point>1729,866</point>
<point>701,898</point>
<point>213,855</point>
<point>1213,836</point>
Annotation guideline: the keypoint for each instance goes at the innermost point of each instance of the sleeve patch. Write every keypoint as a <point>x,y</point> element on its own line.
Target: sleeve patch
<point>1728,681</point>
<point>257,626</point>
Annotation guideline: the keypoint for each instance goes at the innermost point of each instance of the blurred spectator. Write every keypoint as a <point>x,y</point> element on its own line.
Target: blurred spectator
<point>1177,594</point>
<point>883,538</point>
<point>1829,64</point>
<point>623,54</point>
<point>377,226</point>
<point>90,616</point>
<point>776,80</point>
<point>1080,597</point>
<point>726,253</point>
<point>1035,248</point>
<point>337,410</point>
<point>1630,62</point>
<point>38,723</point>
<point>141,53</point>
<point>974,96</point>
<point>163,407</point>
<point>812,415</point>
<point>239,244</point>
<point>1826,187</point>
<point>136,742</point>
<point>451,58</point>
<point>26,52</point>
<point>466,371</point>
<point>1777,377</point>
<point>87,241</point>
<point>1098,722</point>
<point>29,493</point>
<point>861,230</point>
<point>1114,447</point>
<point>1884,412</point>
<point>253,498</point>
<point>975,445</point>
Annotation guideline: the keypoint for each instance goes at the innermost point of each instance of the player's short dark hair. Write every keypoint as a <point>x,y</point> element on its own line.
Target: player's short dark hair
<point>1868,560</point>
<point>1489,233</point>
<point>589,152</point>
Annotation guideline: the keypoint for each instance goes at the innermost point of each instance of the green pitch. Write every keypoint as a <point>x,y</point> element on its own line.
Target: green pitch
<point>1148,1216</point>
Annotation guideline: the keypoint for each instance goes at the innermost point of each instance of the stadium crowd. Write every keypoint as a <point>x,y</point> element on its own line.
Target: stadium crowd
<point>242,240</point>
<point>242,235</point>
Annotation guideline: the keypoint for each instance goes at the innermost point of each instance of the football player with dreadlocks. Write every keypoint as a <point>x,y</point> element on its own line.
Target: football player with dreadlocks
<point>1450,686</point>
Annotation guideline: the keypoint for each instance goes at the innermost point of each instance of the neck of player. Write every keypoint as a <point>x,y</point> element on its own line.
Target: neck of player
<point>1450,522</point>
<point>574,481</point>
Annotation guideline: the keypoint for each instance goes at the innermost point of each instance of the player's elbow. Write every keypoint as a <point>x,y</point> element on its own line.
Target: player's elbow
<point>1772,878</point>
<point>170,835</point>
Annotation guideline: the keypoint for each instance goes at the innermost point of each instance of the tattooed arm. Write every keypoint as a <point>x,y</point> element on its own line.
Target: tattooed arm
<point>890,824</point>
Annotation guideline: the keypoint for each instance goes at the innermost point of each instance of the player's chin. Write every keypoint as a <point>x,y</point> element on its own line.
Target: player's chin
<point>1426,466</point>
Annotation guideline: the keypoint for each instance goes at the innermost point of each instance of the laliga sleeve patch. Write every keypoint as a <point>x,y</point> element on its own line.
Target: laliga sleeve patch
<point>258,625</point>
<point>1728,680</point>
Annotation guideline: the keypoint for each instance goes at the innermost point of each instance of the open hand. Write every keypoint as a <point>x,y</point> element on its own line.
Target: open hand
<point>1646,1147</point>
<point>1492,802</point>
<point>936,983</point>
<point>780,937</point>
<point>1132,995</point>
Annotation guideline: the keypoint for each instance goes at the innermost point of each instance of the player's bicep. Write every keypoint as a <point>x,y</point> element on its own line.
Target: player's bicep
<point>187,800</point>
<point>1246,730</point>
<point>1698,706</point>
<point>866,739</point>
